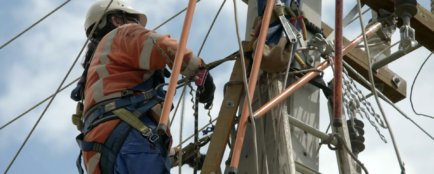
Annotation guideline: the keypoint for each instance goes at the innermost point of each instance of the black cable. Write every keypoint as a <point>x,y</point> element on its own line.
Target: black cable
<point>412,85</point>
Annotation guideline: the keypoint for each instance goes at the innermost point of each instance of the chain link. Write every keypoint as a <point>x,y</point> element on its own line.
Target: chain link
<point>353,97</point>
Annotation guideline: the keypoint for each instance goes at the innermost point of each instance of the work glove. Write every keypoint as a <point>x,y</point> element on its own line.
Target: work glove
<point>200,162</point>
<point>206,92</point>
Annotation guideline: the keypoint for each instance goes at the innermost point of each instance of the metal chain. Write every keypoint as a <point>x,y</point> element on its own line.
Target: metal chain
<point>352,97</point>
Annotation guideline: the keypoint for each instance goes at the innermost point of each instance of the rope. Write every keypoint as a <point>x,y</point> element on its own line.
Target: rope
<point>177,14</point>
<point>36,23</point>
<point>191,136</point>
<point>412,85</point>
<point>43,101</point>
<point>177,105</point>
<point>374,91</point>
<point>210,28</point>
<point>57,91</point>
<point>243,65</point>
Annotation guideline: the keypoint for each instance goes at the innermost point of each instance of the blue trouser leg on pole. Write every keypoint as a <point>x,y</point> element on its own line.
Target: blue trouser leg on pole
<point>139,155</point>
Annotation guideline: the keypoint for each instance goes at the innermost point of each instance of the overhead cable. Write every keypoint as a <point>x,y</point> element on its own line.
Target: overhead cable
<point>412,85</point>
<point>58,89</point>
<point>210,28</point>
<point>27,29</point>
<point>371,78</point>
<point>247,92</point>
<point>24,113</point>
<point>357,17</point>
<point>177,14</point>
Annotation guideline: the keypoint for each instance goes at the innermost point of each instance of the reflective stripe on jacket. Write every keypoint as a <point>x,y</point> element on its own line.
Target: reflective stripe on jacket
<point>124,58</point>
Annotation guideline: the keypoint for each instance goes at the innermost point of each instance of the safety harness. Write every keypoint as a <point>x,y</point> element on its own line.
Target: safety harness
<point>129,108</point>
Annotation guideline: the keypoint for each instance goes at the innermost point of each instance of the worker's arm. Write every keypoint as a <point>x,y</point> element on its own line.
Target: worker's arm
<point>152,51</point>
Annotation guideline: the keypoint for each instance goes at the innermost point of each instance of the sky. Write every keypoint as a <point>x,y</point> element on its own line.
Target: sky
<point>34,65</point>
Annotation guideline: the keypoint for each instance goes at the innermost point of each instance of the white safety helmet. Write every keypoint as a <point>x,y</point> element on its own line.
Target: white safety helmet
<point>97,9</point>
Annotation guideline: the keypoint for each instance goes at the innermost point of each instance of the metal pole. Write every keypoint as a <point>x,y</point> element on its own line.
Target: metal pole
<point>396,55</point>
<point>252,84</point>
<point>337,94</point>
<point>176,68</point>
<point>309,129</point>
<point>306,78</point>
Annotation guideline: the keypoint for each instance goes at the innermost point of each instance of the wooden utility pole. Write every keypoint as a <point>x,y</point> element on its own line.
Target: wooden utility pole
<point>296,148</point>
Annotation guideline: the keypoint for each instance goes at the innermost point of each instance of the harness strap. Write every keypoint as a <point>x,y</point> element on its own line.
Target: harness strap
<point>97,113</point>
<point>133,120</point>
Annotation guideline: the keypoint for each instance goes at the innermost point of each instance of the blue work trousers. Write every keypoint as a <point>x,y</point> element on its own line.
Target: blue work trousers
<point>140,156</point>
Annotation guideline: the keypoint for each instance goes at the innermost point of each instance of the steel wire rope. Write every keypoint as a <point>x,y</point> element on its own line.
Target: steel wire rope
<point>373,89</point>
<point>412,85</point>
<point>168,20</point>
<point>34,24</point>
<point>210,28</point>
<point>385,98</point>
<point>35,106</point>
<point>57,91</point>
<point>357,17</point>
<point>191,136</point>
<point>180,130</point>
<point>79,77</point>
<point>341,141</point>
<point>177,105</point>
<point>246,88</point>
<point>198,54</point>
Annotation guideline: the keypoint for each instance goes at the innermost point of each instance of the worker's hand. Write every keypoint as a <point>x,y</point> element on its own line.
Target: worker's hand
<point>206,94</point>
<point>191,163</point>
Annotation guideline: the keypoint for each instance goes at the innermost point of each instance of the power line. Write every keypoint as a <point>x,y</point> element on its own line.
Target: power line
<point>210,28</point>
<point>177,14</point>
<point>24,113</point>
<point>40,20</point>
<point>74,80</point>
<point>412,85</point>
<point>57,91</point>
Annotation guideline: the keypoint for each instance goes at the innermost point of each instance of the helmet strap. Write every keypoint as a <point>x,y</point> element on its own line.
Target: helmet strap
<point>124,18</point>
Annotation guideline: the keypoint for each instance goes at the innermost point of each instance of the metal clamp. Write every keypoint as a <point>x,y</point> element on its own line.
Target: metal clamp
<point>388,24</point>
<point>151,136</point>
<point>324,46</point>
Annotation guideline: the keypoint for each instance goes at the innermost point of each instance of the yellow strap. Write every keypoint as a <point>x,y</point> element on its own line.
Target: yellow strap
<point>132,120</point>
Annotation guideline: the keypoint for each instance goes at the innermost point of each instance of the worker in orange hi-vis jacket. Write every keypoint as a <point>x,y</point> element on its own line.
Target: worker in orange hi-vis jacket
<point>123,66</point>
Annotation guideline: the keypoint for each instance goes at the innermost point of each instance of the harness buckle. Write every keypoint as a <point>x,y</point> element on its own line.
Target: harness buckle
<point>126,92</point>
<point>151,136</point>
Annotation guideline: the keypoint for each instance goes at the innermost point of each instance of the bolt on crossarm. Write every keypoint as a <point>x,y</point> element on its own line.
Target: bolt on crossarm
<point>309,76</point>
<point>176,68</point>
<point>337,94</point>
<point>252,84</point>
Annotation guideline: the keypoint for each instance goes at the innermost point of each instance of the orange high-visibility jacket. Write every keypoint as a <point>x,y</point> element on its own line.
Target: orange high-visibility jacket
<point>124,58</point>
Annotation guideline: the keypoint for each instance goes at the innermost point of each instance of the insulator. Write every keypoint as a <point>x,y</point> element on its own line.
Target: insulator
<point>356,139</point>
